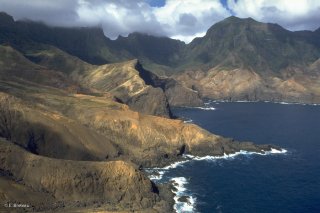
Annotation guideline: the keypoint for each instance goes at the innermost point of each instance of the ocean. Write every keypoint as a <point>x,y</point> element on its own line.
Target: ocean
<point>286,181</point>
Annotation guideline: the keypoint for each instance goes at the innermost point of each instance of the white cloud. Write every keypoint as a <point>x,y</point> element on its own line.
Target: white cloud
<point>58,12</point>
<point>180,19</point>
<point>119,17</point>
<point>187,18</point>
<point>291,14</point>
<point>188,38</point>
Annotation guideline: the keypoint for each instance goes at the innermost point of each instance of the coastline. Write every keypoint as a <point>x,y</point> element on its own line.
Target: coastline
<point>209,101</point>
<point>208,107</point>
<point>184,199</point>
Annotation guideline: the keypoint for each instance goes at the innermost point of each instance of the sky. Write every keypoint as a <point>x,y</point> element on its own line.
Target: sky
<point>178,19</point>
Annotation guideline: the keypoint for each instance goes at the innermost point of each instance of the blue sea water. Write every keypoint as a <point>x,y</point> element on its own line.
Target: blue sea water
<point>288,182</point>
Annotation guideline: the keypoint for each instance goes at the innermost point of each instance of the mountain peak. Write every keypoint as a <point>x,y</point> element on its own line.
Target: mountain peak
<point>5,19</point>
<point>235,19</point>
<point>235,26</point>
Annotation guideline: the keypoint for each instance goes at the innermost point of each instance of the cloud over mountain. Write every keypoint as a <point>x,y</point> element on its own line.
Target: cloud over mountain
<point>183,19</point>
<point>291,14</point>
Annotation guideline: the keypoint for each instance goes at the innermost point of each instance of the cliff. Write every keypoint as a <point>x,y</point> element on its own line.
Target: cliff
<point>62,184</point>
<point>83,129</point>
<point>245,84</point>
<point>124,82</point>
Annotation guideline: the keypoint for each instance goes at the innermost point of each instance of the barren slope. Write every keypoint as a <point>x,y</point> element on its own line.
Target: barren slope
<point>116,184</point>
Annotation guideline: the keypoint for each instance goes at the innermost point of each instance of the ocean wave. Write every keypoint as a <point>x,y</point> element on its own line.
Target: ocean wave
<point>288,103</point>
<point>184,201</point>
<point>188,121</point>
<point>157,173</point>
<point>175,165</point>
<point>154,174</point>
<point>205,108</point>
<point>276,151</point>
<point>275,102</point>
<point>233,155</point>
<point>227,101</point>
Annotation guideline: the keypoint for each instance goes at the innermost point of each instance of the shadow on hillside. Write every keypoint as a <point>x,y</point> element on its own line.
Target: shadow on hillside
<point>42,140</point>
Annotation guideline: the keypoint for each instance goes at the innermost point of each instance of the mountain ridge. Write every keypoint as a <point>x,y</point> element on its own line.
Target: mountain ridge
<point>153,50</point>
<point>84,128</point>
<point>273,53</point>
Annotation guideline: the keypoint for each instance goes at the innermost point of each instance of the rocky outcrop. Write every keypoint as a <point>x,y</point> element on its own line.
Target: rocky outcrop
<point>247,47</point>
<point>79,148</point>
<point>84,127</point>
<point>115,183</point>
<point>124,82</point>
<point>14,65</point>
<point>289,85</point>
<point>176,93</point>
<point>58,69</point>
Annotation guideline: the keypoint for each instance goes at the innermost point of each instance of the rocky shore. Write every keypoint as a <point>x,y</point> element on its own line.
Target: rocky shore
<point>83,134</point>
<point>76,147</point>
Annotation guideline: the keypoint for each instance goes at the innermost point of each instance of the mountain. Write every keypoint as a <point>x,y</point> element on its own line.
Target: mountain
<point>54,183</point>
<point>155,53</point>
<point>76,133</point>
<point>90,44</point>
<point>246,43</point>
<point>242,59</point>
<point>233,42</point>
<point>71,150</point>
<point>124,82</point>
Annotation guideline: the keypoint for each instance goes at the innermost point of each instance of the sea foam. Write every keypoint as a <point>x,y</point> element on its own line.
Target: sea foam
<point>233,155</point>
<point>156,174</point>
<point>188,121</point>
<point>206,107</point>
<point>274,102</point>
<point>181,190</point>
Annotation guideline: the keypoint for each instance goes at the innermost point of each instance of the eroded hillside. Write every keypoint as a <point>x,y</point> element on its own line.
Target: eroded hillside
<point>81,134</point>
<point>72,135</point>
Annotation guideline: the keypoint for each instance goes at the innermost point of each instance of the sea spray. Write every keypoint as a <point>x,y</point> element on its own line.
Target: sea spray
<point>187,204</point>
<point>156,175</point>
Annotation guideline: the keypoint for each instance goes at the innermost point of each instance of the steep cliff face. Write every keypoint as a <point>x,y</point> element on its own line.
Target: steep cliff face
<point>56,68</point>
<point>242,59</point>
<point>242,84</point>
<point>78,183</point>
<point>84,127</point>
<point>176,93</point>
<point>78,133</point>
<point>84,130</point>
<point>124,82</point>
<point>234,46</point>
<point>220,84</point>
<point>246,43</point>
